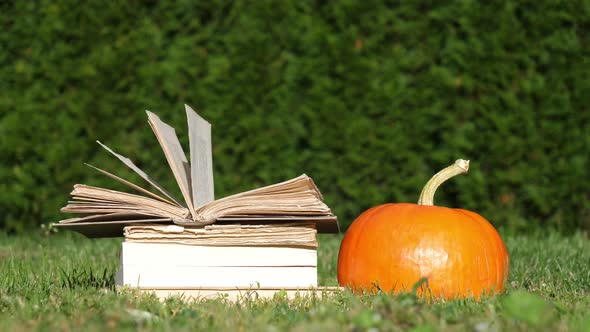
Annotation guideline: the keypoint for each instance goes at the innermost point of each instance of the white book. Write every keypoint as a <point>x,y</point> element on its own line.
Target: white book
<point>164,255</point>
<point>218,276</point>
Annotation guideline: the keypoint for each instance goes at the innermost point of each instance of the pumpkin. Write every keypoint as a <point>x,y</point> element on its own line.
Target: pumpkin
<point>393,246</point>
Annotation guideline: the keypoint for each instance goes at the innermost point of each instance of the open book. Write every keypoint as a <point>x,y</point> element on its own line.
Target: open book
<point>106,212</point>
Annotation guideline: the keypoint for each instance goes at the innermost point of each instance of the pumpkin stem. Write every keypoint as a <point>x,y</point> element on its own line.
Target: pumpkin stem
<point>427,196</point>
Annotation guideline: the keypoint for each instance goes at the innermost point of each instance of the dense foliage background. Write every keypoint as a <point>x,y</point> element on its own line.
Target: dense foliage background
<point>369,99</point>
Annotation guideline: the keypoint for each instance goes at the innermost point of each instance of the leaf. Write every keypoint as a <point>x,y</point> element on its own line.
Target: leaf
<point>528,307</point>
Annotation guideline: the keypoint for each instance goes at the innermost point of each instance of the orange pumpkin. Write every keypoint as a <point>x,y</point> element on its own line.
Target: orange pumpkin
<point>394,246</point>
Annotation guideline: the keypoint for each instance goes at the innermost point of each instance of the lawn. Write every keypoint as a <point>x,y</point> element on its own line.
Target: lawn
<point>64,281</point>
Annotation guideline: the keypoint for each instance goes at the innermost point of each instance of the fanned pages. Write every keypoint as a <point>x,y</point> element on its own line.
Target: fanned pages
<point>131,184</point>
<point>201,158</point>
<point>141,173</point>
<point>106,212</point>
<point>95,200</point>
<point>174,153</point>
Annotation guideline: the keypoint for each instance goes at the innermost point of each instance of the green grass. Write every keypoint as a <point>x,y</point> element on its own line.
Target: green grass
<point>65,282</point>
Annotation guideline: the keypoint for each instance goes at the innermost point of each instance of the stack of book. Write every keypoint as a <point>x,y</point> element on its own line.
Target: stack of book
<point>259,239</point>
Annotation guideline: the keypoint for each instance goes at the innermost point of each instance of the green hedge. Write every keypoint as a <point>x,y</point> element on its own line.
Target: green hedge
<point>370,100</point>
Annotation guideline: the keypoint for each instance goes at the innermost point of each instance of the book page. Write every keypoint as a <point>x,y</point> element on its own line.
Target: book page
<point>175,155</point>
<point>298,196</point>
<point>131,184</point>
<point>201,158</point>
<point>95,200</point>
<point>287,234</point>
<point>324,224</point>
<point>117,216</point>
<point>141,173</point>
